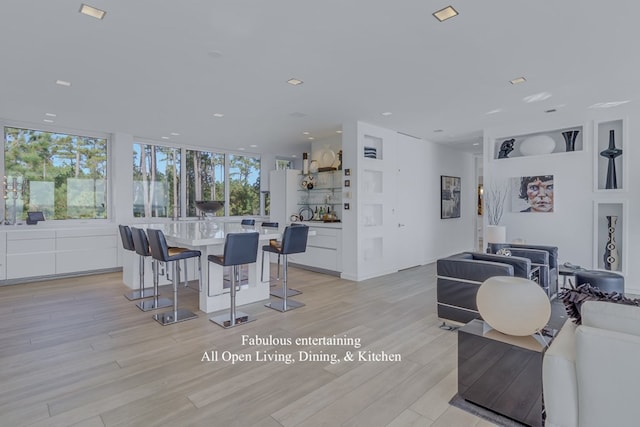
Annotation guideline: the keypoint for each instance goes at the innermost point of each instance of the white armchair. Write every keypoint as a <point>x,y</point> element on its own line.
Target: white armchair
<point>590,372</point>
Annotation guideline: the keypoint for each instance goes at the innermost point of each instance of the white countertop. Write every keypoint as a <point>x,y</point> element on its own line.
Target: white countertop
<point>203,233</point>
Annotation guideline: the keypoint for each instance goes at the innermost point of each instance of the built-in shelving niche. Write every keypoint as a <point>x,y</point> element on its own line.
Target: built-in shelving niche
<point>540,143</point>
<point>372,147</point>
<point>604,131</point>
<point>602,210</point>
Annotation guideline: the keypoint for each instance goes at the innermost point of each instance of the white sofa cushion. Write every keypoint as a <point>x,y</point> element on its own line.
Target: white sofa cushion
<point>559,382</point>
<point>611,316</point>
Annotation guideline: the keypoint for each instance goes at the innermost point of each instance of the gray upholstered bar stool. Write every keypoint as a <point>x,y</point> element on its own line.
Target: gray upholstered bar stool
<point>141,245</point>
<point>129,245</point>
<point>239,249</point>
<point>160,252</point>
<point>271,242</point>
<point>294,240</point>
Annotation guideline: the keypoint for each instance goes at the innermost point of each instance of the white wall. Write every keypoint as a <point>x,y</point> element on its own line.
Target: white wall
<point>449,236</point>
<point>573,226</point>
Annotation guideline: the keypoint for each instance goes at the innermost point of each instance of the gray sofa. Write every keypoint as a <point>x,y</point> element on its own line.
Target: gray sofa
<point>543,256</point>
<point>459,277</point>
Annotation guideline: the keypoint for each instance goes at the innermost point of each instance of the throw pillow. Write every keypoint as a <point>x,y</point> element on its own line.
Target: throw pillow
<point>573,299</point>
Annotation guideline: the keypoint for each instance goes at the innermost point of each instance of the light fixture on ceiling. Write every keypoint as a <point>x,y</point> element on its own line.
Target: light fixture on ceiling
<point>50,114</point>
<point>494,111</point>
<point>241,148</point>
<point>475,144</point>
<point>338,131</point>
<point>164,137</point>
<point>610,104</point>
<point>446,13</point>
<point>63,83</point>
<point>311,138</point>
<point>294,156</point>
<point>294,81</point>
<point>218,115</point>
<point>537,97</point>
<point>517,80</point>
<point>387,113</point>
<point>305,133</point>
<point>253,146</point>
<point>47,121</point>
<point>175,134</point>
<point>85,9</point>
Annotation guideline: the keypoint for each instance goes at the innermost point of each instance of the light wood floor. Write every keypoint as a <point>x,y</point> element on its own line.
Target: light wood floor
<point>76,352</point>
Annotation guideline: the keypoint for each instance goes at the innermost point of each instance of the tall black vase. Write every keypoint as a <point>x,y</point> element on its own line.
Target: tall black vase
<point>611,153</point>
<point>570,139</point>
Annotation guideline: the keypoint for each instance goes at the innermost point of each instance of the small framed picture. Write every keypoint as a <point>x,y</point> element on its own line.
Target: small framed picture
<point>347,183</point>
<point>449,197</point>
<point>347,172</point>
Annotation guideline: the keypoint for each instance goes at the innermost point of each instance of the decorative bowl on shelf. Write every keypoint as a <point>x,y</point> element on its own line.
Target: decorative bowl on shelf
<point>209,207</point>
<point>537,144</point>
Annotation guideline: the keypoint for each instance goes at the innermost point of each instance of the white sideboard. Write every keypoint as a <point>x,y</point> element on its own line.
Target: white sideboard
<point>27,252</point>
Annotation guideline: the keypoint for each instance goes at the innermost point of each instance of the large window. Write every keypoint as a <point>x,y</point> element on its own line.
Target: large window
<point>205,179</point>
<point>64,176</point>
<point>244,185</point>
<point>156,181</point>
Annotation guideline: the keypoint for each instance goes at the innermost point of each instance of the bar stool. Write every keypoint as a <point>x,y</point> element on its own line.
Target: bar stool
<point>128,244</point>
<point>239,249</point>
<point>141,245</point>
<point>294,240</point>
<point>271,242</point>
<point>160,252</point>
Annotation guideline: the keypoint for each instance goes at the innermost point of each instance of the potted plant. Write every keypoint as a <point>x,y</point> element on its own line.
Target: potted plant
<point>495,199</point>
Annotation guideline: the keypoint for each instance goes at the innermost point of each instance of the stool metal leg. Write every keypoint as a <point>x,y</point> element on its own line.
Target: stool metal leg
<point>156,302</point>
<point>141,293</point>
<point>234,318</point>
<point>284,304</point>
<point>280,293</point>
<point>176,315</point>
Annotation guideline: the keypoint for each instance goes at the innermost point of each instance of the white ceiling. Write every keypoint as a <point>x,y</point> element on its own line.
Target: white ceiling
<point>153,67</point>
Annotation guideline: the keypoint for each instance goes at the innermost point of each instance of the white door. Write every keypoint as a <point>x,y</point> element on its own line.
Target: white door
<point>410,202</point>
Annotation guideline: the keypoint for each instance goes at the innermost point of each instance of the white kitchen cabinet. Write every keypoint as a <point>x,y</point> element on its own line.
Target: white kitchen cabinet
<point>86,249</point>
<point>324,249</point>
<point>31,253</point>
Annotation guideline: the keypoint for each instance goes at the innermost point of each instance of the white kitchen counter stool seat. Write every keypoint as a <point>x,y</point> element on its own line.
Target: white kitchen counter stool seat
<point>294,240</point>
<point>160,252</point>
<point>141,245</point>
<point>239,249</point>
<point>129,245</point>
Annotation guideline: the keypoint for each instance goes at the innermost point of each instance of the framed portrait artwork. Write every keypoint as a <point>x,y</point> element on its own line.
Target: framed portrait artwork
<point>449,197</point>
<point>532,194</point>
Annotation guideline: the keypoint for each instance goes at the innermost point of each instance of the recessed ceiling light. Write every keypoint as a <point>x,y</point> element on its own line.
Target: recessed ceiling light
<point>85,9</point>
<point>218,115</point>
<point>175,134</point>
<point>63,83</point>
<point>537,97</point>
<point>294,81</point>
<point>49,114</point>
<point>338,131</point>
<point>387,113</point>
<point>294,156</point>
<point>476,144</point>
<point>164,137</point>
<point>253,146</point>
<point>517,80</point>
<point>310,138</point>
<point>446,13</point>
<point>241,148</point>
<point>496,111</point>
<point>609,104</point>
<point>48,121</point>
<point>305,133</point>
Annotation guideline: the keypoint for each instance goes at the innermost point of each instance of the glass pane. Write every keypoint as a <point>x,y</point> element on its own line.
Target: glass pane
<point>156,181</point>
<point>64,176</point>
<point>205,179</point>
<point>244,185</point>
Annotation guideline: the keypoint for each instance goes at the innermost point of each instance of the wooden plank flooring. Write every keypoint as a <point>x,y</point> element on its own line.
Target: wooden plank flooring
<point>76,352</point>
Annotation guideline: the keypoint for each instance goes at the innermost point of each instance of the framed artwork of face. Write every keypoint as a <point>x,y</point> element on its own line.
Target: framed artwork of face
<point>532,194</point>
